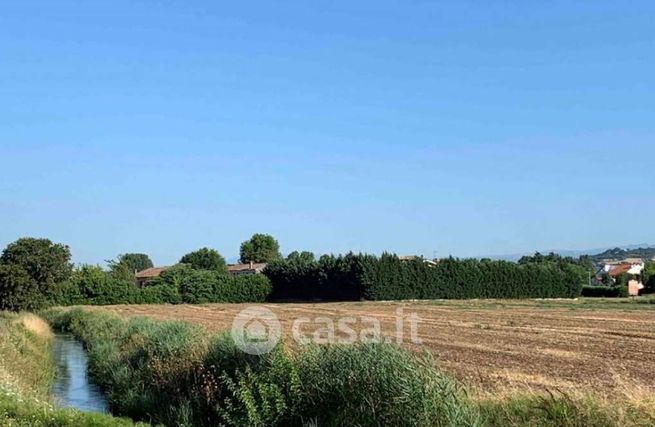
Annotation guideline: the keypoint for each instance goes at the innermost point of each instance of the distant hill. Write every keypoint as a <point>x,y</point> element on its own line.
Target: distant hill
<point>643,250</point>
<point>646,253</point>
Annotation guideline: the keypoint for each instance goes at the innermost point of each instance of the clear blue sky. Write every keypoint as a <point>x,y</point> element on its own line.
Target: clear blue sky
<point>462,127</point>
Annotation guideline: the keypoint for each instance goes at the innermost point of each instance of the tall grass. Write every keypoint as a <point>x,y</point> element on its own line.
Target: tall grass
<point>628,407</point>
<point>378,384</point>
<point>168,372</point>
<point>27,371</point>
<point>25,366</point>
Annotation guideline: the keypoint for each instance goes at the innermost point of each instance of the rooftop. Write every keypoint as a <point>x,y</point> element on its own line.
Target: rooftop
<point>619,269</point>
<point>250,266</point>
<point>150,272</point>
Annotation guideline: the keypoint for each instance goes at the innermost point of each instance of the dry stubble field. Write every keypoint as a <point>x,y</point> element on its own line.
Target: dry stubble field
<point>559,345</point>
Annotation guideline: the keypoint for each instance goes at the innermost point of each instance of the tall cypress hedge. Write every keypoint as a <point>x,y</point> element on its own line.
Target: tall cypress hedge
<point>356,277</point>
<point>330,278</point>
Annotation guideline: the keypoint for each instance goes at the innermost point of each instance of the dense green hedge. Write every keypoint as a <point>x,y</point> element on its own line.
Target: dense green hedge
<point>355,277</point>
<point>208,286</point>
<point>172,373</point>
<point>605,291</point>
<point>390,278</point>
<point>329,278</point>
<point>180,284</point>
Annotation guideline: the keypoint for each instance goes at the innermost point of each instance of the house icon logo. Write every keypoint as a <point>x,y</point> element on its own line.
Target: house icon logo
<point>256,330</point>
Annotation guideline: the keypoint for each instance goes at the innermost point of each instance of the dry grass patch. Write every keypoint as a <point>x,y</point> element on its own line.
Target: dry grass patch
<point>26,366</point>
<point>35,325</point>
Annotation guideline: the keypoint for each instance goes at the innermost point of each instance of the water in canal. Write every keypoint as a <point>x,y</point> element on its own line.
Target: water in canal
<point>73,388</point>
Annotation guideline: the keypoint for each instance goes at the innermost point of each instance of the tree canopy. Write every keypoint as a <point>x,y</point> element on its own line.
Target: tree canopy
<point>205,259</point>
<point>126,265</point>
<point>32,273</point>
<point>304,256</point>
<point>135,261</point>
<point>260,248</point>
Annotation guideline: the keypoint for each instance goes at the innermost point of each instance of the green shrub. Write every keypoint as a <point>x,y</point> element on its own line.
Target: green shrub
<point>248,390</point>
<point>199,287</point>
<point>249,288</point>
<point>159,294</point>
<point>90,285</point>
<point>204,286</point>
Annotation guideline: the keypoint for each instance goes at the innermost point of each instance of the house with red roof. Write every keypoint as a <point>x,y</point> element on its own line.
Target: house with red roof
<point>632,267</point>
<point>143,276</point>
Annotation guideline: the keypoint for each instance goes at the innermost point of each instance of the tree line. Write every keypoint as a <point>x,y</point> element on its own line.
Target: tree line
<point>36,273</point>
<point>367,277</point>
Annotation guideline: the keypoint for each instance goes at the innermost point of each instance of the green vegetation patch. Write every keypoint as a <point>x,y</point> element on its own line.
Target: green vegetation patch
<point>27,371</point>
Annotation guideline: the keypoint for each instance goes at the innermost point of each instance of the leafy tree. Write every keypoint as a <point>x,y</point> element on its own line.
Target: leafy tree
<point>124,267</point>
<point>18,291</point>
<point>173,276</point>
<point>582,266</point>
<point>90,284</point>
<point>205,259</point>
<point>134,262</point>
<point>304,256</point>
<point>33,272</point>
<point>260,248</point>
<point>91,280</point>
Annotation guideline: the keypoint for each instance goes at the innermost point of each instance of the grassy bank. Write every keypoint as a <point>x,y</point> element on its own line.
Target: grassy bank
<point>176,374</point>
<point>26,374</point>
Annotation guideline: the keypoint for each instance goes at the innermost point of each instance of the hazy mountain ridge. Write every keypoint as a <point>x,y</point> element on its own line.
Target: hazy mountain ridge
<point>642,250</point>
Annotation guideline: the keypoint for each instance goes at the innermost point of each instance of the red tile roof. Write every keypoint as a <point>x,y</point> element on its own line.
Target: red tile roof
<point>619,269</point>
<point>150,272</point>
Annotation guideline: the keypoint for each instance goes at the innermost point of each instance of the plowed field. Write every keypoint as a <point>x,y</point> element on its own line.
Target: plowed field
<point>537,344</point>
